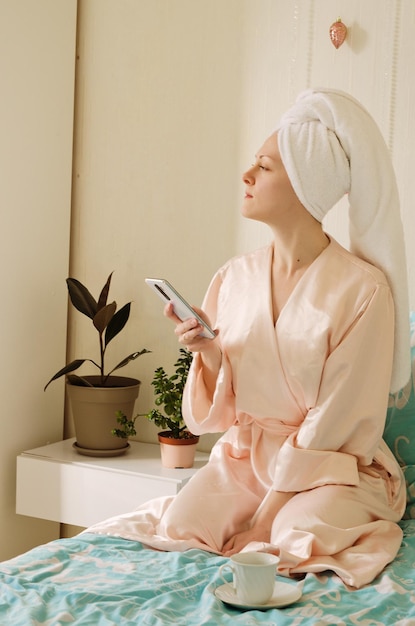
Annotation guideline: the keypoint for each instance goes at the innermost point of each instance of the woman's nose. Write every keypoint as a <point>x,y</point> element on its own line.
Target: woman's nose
<point>248,176</point>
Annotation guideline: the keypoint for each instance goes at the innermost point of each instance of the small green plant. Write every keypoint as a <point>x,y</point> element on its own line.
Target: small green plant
<point>127,427</point>
<point>169,392</point>
<point>107,321</point>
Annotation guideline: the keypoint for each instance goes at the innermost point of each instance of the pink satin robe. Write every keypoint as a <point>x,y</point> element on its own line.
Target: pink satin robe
<point>302,404</point>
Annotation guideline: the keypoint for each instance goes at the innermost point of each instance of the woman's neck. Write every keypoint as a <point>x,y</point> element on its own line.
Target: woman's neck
<point>294,253</point>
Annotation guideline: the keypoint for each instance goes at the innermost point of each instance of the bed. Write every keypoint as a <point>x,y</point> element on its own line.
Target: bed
<point>101,580</point>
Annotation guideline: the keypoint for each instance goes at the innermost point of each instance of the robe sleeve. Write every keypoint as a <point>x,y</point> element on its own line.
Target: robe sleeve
<point>343,431</point>
<point>202,413</point>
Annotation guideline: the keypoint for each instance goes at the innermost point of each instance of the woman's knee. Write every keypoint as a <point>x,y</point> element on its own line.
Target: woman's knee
<point>333,505</point>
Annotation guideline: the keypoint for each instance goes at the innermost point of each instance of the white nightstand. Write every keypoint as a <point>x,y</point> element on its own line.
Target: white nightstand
<point>56,483</point>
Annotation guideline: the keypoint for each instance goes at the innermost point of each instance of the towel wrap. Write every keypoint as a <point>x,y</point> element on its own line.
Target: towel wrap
<point>331,146</point>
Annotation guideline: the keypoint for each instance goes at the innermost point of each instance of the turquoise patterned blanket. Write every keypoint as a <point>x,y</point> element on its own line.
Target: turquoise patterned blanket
<point>101,581</point>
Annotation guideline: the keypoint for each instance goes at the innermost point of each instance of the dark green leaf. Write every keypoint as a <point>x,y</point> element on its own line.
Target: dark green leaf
<point>117,323</point>
<point>71,367</point>
<point>104,316</point>
<point>102,300</point>
<point>81,298</point>
<point>129,358</point>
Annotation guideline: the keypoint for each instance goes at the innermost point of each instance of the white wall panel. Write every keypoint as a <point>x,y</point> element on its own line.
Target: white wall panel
<point>157,118</point>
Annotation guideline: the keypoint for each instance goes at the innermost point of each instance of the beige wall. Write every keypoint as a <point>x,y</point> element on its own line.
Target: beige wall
<point>37,50</point>
<point>173,98</point>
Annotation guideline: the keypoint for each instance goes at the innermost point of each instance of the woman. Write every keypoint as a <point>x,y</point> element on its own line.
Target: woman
<point>310,339</point>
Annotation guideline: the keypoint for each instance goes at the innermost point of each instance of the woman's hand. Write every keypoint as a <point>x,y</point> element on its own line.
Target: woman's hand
<point>236,543</point>
<point>189,335</point>
<point>189,331</point>
<point>261,523</point>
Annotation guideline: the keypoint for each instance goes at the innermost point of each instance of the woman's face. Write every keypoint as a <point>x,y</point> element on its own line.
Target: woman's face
<point>269,196</point>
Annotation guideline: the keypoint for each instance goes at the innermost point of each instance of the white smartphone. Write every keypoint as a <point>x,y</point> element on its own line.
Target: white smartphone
<point>183,310</point>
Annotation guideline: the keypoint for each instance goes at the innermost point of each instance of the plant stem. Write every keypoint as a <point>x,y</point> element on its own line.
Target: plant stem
<point>102,351</point>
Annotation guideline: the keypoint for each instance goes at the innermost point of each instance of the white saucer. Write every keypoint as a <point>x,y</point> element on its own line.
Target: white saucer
<point>283,595</point>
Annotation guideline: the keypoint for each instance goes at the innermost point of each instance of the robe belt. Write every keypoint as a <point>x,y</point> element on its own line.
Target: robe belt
<point>268,424</point>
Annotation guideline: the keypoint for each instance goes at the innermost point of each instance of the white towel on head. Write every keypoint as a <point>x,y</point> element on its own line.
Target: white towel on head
<point>331,146</point>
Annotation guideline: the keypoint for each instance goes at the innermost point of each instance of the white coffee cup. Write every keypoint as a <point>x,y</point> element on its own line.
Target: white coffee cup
<point>253,576</point>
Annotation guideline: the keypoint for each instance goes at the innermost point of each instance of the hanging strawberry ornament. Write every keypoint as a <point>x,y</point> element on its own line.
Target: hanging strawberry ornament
<point>338,32</point>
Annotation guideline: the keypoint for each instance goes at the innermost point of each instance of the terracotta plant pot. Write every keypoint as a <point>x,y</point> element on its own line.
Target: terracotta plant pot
<point>177,453</point>
<point>94,414</point>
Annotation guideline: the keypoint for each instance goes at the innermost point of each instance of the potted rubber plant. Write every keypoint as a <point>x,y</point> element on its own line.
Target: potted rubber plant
<point>177,444</point>
<point>95,399</point>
